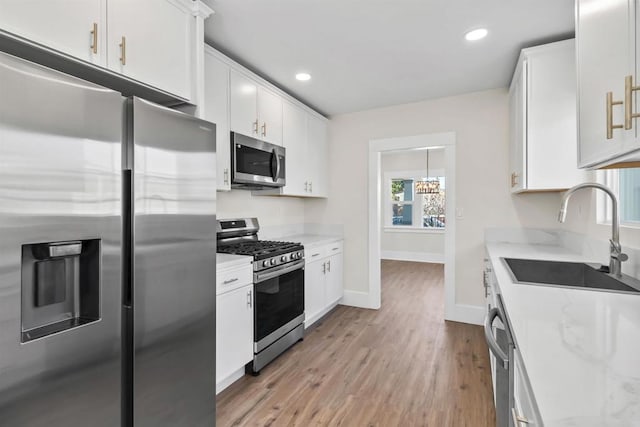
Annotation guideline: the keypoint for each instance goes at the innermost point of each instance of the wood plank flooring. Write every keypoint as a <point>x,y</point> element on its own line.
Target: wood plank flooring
<point>401,365</point>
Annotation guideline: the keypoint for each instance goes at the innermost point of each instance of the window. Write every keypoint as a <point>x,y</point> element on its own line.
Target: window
<point>626,184</point>
<point>408,206</point>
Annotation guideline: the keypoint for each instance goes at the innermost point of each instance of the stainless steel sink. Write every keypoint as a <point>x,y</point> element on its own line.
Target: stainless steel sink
<point>569,274</point>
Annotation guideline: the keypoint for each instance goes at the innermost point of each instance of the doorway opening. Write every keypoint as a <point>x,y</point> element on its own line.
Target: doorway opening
<point>412,207</point>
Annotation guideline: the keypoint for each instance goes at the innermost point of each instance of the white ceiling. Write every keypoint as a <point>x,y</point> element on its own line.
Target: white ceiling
<point>364,54</point>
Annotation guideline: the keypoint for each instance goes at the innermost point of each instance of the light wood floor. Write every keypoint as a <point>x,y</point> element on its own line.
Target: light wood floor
<point>401,365</point>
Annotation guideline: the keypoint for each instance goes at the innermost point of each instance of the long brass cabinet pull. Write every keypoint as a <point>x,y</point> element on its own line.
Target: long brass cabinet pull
<point>629,115</point>
<point>610,125</point>
<point>264,129</point>
<point>255,126</point>
<point>123,51</point>
<point>94,38</point>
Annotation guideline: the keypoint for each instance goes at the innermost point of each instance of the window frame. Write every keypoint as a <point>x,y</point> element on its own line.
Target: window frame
<point>416,203</point>
<point>609,178</point>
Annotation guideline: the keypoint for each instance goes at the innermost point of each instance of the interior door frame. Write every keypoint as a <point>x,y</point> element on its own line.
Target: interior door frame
<point>446,140</point>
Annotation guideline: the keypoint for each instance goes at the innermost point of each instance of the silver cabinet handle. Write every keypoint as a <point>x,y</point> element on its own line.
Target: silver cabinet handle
<point>486,284</point>
<point>517,419</point>
<point>313,255</point>
<point>310,186</point>
<point>491,340</point>
<point>306,187</point>
<point>226,282</point>
<point>264,129</point>
<point>255,126</point>
<point>324,268</point>
<point>226,176</point>
<point>335,249</point>
<point>329,266</point>
<point>249,299</point>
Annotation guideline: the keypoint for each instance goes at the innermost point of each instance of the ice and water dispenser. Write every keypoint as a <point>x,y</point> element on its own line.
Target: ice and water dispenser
<point>60,286</point>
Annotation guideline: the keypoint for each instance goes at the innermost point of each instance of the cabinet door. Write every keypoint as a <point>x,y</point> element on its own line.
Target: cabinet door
<point>334,279</point>
<point>318,155</point>
<point>150,41</point>
<point>270,116</point>
<point>604,40</point>
<point>63,25</point>
<point>216,98</point>
<point>234,331</point>
<point>294,139</point>
<point>243,109</point>
<point>314,290</point>
<point>517,127</point>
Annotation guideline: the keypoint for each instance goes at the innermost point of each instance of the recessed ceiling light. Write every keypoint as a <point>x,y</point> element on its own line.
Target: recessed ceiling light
<point>477,34</point>
<point>303,77</point>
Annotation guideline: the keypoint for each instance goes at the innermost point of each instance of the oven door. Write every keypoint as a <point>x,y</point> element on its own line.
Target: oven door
<point>279,304</point>
<point>257,162</point>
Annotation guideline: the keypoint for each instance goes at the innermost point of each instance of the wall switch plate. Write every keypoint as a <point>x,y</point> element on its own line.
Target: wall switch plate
<point>459,213</point>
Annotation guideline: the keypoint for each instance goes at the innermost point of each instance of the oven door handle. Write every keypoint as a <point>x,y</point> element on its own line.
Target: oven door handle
<point>261,277</point>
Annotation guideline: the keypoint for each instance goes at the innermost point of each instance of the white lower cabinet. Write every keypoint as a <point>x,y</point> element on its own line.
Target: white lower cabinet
<point>524,411</point>
<point>234,325</point>
<point>323,284</point>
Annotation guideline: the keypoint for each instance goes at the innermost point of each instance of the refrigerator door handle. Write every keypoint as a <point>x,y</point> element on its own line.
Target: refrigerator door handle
<point>127,238</point>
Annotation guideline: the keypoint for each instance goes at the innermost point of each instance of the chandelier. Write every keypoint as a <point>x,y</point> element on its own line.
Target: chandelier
<point>428,186</point>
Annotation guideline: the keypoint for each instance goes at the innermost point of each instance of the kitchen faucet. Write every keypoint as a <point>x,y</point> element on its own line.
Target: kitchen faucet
<point>615,250</point>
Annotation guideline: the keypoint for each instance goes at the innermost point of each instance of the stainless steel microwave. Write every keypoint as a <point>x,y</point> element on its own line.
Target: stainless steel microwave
<point>256,163</point>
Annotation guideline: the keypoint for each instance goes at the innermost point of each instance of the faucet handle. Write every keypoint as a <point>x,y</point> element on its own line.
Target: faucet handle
<point>620,257</point>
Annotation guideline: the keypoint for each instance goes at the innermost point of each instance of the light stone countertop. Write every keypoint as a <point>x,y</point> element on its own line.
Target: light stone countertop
<point>311,240</point>
<point>580,348</point>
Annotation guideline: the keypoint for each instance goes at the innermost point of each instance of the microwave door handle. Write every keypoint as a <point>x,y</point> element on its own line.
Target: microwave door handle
<point>275,165</point>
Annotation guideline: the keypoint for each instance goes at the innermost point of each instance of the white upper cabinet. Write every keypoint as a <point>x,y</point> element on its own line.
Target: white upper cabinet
<point>270,116</point>
<point>318,155</point>
<point>294,139</point>
<point>243,105</point>
<point>517,126</point>
<point>216,110</point>
<point>606,61</point>
<point>150,41</point>
<point>254,110</point>
<point>74,27</point>
<point>543,119</point>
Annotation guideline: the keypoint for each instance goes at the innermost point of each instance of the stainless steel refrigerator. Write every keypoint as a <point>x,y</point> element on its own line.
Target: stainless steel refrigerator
<point>107,256</point>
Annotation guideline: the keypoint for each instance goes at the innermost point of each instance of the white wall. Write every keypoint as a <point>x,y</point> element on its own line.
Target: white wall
<point>404,244</point>
<point>480,121</point>
<point>270,211</point>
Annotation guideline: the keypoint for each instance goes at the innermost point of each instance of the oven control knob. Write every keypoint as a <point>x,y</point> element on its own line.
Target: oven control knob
<point>292,256</point>
<point>273,261</point>
<point>265,263</point>
<point>283,259</point>
<point>299,254</point>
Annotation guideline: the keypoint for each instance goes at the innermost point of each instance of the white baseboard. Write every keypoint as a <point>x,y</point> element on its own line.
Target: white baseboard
<point>357,299</point>
<point>229,380</point>
<point>413,256</point>
<point>465,313</point>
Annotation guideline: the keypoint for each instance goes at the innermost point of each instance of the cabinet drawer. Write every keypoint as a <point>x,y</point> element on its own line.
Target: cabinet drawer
<point>334,248</point>
<point>228,280</point>
<point>315,253</point>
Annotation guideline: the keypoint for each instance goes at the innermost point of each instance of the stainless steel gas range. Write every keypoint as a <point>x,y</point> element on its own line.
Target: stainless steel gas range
<point>278,281</point>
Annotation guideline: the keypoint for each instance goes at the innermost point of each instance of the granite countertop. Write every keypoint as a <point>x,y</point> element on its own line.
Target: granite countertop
<point>225,261</point>
<point>580,348</point>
